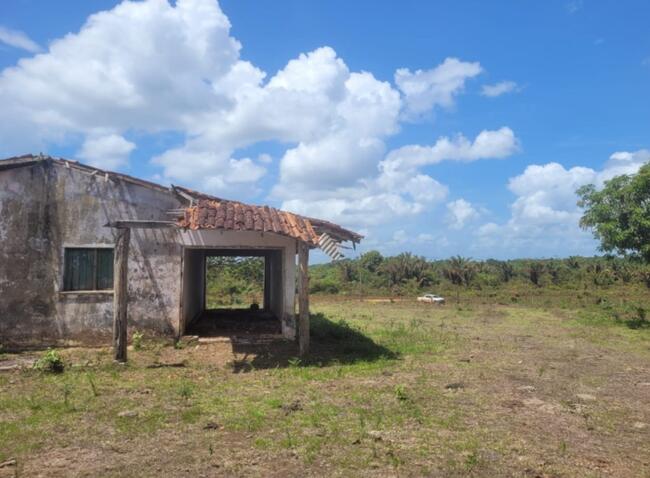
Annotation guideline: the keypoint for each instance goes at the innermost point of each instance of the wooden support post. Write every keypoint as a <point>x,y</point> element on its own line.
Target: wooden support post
<point>267,281</point>
<point>303,298</point>
<point>120,299</point>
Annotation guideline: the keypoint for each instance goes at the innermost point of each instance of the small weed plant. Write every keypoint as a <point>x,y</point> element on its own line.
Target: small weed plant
<point>91,382</point>
<point>294,362</point>
<point>179,345</point>
<point>186,390</point>
<point>67,393</point>
<point>50,362</point>
<point>400,393</point>
<point>137,340</point>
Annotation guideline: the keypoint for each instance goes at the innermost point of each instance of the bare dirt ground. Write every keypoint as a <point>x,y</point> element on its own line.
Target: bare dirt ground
<point>399,389</point>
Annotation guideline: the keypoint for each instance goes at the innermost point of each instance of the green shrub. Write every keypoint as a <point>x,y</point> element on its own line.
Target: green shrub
<point>326,286</point>
<point>50,362</point>
<point>137,340</point>
<point>179,345</point>
<point>186,390</point>
<point>400,393</point>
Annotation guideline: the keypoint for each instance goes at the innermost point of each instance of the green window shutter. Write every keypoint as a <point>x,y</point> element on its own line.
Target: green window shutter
<point>88,269</point>
<point>104,269</point>
<point>79,269</point>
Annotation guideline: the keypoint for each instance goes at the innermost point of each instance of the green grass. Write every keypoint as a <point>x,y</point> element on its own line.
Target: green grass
<point>371,396</point>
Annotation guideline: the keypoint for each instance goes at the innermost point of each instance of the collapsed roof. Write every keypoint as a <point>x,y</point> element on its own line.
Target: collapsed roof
<point>203,211</point>
<point>209,212</point>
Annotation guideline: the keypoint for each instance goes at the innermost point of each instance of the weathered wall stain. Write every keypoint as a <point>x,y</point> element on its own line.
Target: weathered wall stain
<point>47,207</point>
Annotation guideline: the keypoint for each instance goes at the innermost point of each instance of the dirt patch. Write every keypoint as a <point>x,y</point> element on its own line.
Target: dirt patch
<point>17,362</point>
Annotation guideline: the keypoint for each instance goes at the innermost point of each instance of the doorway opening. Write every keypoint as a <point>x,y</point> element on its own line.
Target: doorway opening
<point>232,292</point>
<point>234,282</point>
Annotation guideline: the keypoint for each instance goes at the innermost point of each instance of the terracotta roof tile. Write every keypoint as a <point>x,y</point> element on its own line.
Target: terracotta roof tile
<point>209,212</point>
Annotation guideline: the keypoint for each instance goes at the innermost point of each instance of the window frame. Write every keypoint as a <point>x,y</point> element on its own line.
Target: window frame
<point>95,269</point>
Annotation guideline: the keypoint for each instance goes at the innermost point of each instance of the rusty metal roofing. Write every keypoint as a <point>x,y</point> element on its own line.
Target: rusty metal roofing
<point>208,212</point>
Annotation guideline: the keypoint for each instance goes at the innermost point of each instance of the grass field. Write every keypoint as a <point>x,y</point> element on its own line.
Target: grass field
<point>391,389</point>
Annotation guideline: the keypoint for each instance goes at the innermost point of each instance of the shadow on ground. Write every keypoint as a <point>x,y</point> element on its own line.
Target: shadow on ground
<point>331,343</point>
<point>234,322</point>
<point>637,323</point>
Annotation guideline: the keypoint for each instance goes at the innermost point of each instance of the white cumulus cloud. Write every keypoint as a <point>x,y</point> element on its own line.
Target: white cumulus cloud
<point>18,39</point>
<point>545,214</point>
<point>157,66</point>
<point>426,89</point>
<point>498,89</point>
<point>108,152</point>
<point>459,213</point>
<point>487,144</point>
<point>398,188</point>
<point>143,65</point>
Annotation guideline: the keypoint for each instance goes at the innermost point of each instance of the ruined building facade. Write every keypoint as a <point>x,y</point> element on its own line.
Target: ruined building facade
<point>56,251</point>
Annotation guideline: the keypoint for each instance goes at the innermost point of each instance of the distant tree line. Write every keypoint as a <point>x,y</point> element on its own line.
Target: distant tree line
<point>234,281</point>
<point>618,214</point>
<point>407,273</point>
<point>239,281</point>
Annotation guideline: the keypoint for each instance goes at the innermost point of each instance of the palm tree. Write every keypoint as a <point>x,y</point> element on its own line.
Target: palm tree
<point>573,262</point>
<point>348,271</point>
<point>459,271</point>
<point>404,267</point>
<point>535,271</point>
<point>507,270</point>
<point>555,271</point>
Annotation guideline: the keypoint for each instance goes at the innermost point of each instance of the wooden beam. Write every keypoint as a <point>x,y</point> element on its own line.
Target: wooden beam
<point>184,195</point>
<point>140,224</point>
<point>120,293</point>
<point>303,298</point>
<point>267,282</point>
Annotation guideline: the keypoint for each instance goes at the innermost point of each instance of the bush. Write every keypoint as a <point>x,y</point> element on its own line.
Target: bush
<point>137,340</point>
<point>327,286</point>
<point>50,362</point>
<point>641,314</point>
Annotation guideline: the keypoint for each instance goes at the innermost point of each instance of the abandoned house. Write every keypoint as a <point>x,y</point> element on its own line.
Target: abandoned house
<point>78,243</point>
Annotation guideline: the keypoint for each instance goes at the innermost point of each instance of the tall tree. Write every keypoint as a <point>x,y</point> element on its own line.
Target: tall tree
<point>459,271</point>
<point>371,261</point>
<point>506,270</point>
<point>404,267</point>
<point>348,270</point>
<point>535,272</point>
<point>619,213</point>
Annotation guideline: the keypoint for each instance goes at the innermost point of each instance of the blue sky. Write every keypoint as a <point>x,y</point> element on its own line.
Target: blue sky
<point>436,127</point>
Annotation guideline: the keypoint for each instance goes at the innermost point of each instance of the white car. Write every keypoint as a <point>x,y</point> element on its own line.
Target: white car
<point>432,299</point>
